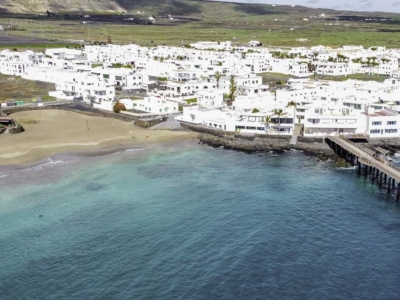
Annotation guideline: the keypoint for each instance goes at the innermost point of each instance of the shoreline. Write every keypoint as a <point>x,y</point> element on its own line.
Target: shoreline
<point>34,156</point>
<point>73,154</point>
<point>245,144</point>
<point>54,131</point>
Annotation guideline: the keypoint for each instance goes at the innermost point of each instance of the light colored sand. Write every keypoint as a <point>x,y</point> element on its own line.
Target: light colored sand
<point>58,131</point>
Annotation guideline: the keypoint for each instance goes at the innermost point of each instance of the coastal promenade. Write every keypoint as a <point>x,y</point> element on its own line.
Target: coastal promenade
<point>379,169</point>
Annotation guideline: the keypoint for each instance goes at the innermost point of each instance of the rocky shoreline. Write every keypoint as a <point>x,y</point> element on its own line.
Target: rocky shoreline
<point>262,143</point>
<point>254,144</point>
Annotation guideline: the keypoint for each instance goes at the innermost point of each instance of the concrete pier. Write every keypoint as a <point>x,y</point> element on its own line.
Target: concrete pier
<point>386,174</point>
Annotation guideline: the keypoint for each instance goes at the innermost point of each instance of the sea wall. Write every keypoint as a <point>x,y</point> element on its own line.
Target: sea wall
<point>146,123</point>
<point>261,142</point>
<point>104,114</point>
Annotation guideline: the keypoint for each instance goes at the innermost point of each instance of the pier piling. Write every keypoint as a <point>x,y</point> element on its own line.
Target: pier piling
<point>385,173</point>
<point>398,192</point>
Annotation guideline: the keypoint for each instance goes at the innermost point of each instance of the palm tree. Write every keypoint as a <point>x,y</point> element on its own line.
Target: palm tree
<point>368,61</point>
<point>232,88</point>
<point>217,76</point>
<point>267,120</point>
<point>279,113</point>
<point>293,104</point>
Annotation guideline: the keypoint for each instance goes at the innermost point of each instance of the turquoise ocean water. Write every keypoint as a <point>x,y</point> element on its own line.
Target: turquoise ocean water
<point>192,222</point>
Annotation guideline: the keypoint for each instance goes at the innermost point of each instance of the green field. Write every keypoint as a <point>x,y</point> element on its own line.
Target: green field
<point>238,23</point>
<point>17,88</point>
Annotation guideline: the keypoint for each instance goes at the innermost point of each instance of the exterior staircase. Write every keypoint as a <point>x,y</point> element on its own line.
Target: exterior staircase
<point>298,130</point>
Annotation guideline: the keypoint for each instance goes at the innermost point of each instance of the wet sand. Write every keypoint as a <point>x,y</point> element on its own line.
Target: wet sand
<point>48,132</point>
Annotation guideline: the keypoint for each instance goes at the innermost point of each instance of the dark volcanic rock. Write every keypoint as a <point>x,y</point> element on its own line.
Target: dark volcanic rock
<point>266,144</point>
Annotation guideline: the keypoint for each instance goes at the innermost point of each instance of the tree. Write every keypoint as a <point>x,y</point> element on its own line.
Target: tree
<point>293,104</point>
<point>255,110</point>
<point>341,57</point>
<point>217,76</point>
<point>118,107</point>
<point>232,88</point>
<point>311,67</point>
<point>267,120</point>
<point>368,61</point>
<point>279,113</point>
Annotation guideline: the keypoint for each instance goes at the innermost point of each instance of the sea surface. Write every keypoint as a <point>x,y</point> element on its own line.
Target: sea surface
<point>188,221</point>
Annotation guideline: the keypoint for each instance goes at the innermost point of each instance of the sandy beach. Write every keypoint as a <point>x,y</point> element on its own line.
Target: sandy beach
<point>48,132</point>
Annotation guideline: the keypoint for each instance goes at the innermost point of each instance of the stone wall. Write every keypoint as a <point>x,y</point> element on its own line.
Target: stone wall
<point>221,133</point>
<point>2,130</point>
<point>91,114</point>
<point>206,130</point>
<point>273,136</point>
<point>104,114</point>
<point>150,122</point>
<point>304,139</point>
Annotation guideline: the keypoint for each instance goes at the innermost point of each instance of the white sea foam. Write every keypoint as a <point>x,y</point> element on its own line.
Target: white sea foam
<point>348,168</point>
<point>51,163</point>
<point>134,150</point>
<point>4,175</point>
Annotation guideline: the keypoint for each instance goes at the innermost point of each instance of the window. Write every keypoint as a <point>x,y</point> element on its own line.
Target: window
<point>375,123</point>
<point>390,130</point>
<point>391,122</point>
<point>374,131</point>
<point>250,128</point>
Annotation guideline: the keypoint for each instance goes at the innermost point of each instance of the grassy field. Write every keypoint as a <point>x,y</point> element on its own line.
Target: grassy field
<point>16,88</point>
<point>240,23</point>
<point>363,77</point>
<point>276,78</point>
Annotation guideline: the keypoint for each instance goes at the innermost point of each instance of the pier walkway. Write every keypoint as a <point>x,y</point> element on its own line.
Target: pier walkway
<point>380,169</point>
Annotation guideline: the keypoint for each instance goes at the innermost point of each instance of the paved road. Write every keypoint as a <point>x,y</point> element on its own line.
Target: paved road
<point>170,124</point>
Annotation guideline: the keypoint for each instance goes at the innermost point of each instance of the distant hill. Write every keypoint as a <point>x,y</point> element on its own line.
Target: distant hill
<point>173,7</point>
<point>40,6</point>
